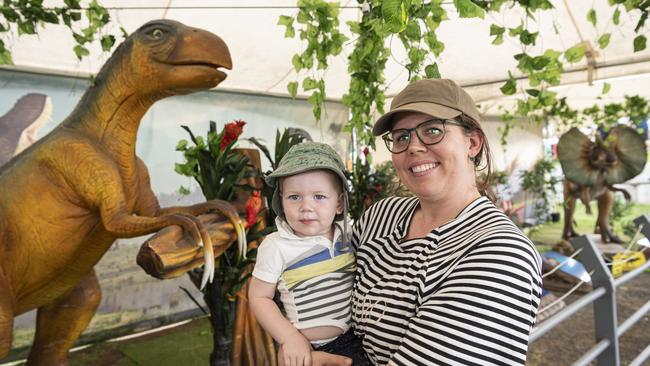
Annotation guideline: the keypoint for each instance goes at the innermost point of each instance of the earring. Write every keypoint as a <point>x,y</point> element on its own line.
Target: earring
<point>472,158</point>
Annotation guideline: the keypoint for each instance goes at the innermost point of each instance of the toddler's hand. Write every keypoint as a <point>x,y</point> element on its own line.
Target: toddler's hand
<point>297,350</point>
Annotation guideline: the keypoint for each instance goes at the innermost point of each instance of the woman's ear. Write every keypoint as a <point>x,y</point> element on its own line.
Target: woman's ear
<point>475,143</point>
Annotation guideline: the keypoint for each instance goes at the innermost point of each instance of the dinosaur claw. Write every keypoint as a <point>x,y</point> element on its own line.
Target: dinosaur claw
<point>241,238</point>
<point>208,270</point>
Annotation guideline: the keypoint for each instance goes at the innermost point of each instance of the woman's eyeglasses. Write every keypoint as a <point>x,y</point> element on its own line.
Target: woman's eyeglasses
<point>429,132</point>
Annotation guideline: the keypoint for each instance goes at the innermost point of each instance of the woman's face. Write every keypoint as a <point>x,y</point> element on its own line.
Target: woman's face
<point>439,171</point>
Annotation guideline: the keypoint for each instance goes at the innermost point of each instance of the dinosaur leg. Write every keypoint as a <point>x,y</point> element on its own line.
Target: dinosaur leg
<point>569,209</point>
<point>58,325</point>
<point>605,204</point>
<point>6,317</point>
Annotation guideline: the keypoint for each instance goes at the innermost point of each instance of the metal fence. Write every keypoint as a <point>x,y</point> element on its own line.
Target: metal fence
<point>603,296</point>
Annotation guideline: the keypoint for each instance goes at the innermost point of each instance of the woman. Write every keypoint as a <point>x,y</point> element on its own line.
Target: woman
<point>443,277</point>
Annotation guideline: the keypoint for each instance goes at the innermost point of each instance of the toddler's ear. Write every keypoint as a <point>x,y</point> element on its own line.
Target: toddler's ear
<point>339,205</point>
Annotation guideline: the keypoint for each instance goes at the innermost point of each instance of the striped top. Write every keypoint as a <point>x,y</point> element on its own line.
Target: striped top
<point>466,294</point>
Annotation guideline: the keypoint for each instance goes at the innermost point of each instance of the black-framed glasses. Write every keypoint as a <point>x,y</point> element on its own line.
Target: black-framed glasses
<point>429,132</point>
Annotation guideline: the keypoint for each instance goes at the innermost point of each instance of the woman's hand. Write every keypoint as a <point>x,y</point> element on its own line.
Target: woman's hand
<point>297,350</point>
<point>318,358</point>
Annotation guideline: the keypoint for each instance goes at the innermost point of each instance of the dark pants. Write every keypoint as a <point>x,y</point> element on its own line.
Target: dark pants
<point>348,345</point>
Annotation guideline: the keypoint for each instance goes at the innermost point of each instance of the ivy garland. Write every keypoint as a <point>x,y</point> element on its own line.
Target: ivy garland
<point>414,23</point>
<point>26,16</point>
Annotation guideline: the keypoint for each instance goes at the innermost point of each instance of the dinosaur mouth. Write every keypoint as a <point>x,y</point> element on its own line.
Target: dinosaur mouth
<point>206,64</point>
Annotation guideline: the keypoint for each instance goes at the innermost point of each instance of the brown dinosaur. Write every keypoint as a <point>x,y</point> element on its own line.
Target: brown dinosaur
<point>19,125</point>
<point>592,168</point>
<point>65,199</point>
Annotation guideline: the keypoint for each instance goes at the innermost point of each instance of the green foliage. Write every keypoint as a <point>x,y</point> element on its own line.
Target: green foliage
<point>603,41</point>
<point>620,209</point>
<point>25,17</point>
<point>218,172</point>
<point>415,24</point>
<point>575,53</point>
<point>370,184</point>
<point>639,43</point>
<point>318,26</point>
<point>540,183</point>
<point>591,17</point>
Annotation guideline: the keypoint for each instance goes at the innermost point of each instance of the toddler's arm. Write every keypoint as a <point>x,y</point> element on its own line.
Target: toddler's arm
<point>297,349</point>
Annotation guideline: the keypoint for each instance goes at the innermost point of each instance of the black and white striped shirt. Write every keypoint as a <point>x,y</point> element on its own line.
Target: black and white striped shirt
<point>466,294</point>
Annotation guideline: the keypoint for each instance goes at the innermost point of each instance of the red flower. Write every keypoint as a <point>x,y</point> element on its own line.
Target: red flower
<point>231,132</point>
<point>253,206</point>
<point>366,151</point>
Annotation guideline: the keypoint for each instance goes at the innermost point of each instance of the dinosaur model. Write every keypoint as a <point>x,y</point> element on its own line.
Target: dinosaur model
<point>66,198</point>
<point>592,168</point>
<point>18,127</point>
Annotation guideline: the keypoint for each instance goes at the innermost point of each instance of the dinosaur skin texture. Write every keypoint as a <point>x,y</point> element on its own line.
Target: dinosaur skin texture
<point>65,199</point>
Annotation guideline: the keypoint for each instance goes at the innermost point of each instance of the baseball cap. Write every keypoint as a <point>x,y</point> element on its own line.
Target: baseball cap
<point>440,98</point>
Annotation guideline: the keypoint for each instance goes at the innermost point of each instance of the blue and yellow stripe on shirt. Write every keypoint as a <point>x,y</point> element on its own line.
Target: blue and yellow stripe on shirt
<point>320,263</point>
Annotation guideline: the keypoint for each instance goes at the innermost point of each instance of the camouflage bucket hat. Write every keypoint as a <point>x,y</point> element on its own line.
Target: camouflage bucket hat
<point>304,157</point>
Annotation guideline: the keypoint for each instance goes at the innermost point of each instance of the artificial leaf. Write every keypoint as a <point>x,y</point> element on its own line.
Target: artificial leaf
<point>181,145</point>
<point>497,31</point>
<point>510,87</point>
<point>5,57</point>
<point>575,53</point>
<point>81,51</point>
<point>639,43</point>
<point>591,16</point>
<point>603,40</point>
<point>616,17</point>
<point>393,12</point>
<point>107,42</point>
<point>468,9</point>
<point>540,62</point>
<point>432,71</point>
<point>533,92</point>
<point>606,88</point>
<point>309,84</point>
<point>292,88</point>
<point>296,60</point>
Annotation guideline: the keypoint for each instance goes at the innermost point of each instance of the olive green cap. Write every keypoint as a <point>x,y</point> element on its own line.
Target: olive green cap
<point>304,157</point>
<point>439,98</point>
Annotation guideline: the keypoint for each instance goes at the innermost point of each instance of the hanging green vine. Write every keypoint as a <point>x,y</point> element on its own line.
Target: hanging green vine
<point>26,16</point>
<point>414,23</point>
<point>318,25</point>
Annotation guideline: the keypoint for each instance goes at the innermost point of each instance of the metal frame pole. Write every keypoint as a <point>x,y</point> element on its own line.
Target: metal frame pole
<point>605,306</point>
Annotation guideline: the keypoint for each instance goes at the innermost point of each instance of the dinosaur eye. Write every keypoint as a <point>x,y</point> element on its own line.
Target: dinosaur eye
<point>157,33</point>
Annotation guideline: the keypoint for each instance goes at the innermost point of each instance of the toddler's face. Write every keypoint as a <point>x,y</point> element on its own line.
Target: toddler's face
<point>310,201</point>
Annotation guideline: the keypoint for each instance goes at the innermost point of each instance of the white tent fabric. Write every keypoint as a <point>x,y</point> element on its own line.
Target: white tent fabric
<point>262,56</point>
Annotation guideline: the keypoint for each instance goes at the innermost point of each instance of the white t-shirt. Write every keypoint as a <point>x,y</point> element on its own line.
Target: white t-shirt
<point>313,274</point>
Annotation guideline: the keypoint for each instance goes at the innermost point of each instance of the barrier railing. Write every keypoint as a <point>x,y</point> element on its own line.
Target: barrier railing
<point>603,296</point>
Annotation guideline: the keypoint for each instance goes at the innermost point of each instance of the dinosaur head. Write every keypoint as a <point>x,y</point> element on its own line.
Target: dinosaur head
<point>611,160</point>
<point>169,57</point>
<point>602,156</point>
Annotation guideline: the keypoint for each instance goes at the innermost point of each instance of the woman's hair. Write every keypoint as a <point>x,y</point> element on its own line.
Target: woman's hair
<point>482,160</point>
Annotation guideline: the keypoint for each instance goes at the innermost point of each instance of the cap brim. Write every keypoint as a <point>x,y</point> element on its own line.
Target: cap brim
<point>383,124</point>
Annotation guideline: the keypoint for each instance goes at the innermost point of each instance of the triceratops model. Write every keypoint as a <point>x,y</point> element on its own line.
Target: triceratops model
<point>592,168</point>
<point>65,199</point>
